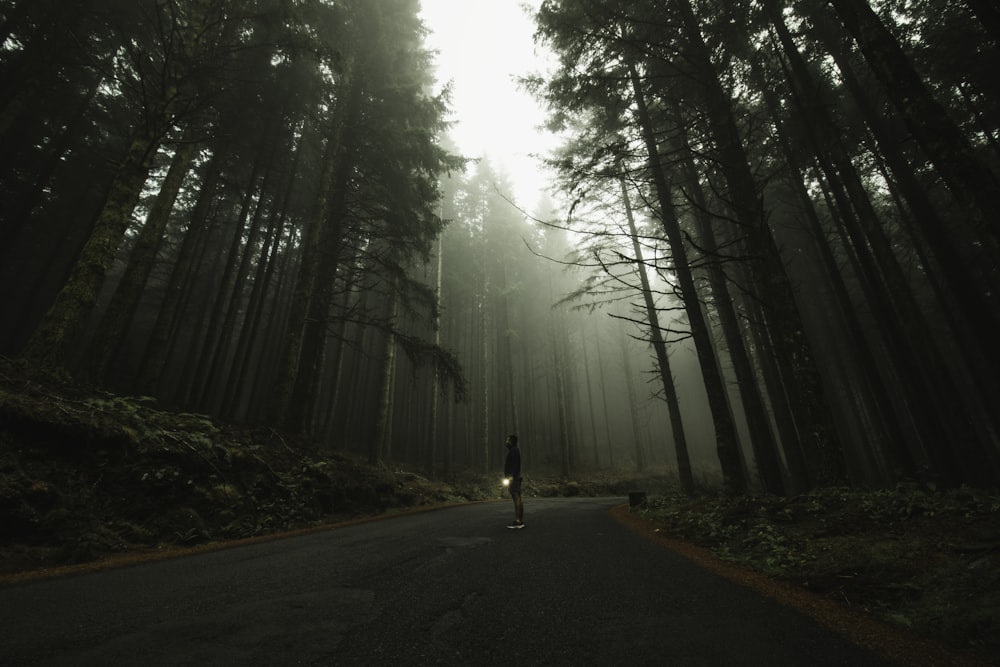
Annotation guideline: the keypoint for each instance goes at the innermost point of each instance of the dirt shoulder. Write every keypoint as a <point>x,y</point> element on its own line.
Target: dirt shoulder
<point>904,571</point>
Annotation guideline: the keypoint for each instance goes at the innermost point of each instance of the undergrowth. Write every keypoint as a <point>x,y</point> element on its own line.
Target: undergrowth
<point>929,562</point>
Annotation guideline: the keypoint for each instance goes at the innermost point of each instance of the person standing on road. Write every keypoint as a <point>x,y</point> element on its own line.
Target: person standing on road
<point>512,473</point>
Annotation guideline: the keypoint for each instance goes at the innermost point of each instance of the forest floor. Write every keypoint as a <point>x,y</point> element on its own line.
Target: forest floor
<point>89,479</point>
<point>928,563</point>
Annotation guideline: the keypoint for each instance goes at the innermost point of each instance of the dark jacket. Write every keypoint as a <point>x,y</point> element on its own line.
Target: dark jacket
<point>512,466</point>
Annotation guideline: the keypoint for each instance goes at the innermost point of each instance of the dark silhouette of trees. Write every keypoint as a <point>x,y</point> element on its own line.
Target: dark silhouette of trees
<point>779,218</point>
<point>278,175</point>
<point>719,112</point>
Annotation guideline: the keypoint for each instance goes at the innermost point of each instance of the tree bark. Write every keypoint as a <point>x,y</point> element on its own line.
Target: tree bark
<point>976,319</point>
<point>662,358</point>
<point>972,183</point>
<point>168,318</point>
<point>727,447</point>
<point>316,240</point>
<point>761,439</point>
<point>770,279</point>
<point>888,435</point>
<point>590,403</point>
<point>633,408</point>
<point>220,305</point>
<point>433,446</point>
<point>895,305</point>
<point>61,329</point>
<point>257,303</point>
<point>387,364</point>
<point>121,309</point>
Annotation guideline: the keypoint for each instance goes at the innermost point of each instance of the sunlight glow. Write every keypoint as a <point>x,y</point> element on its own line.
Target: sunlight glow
<point>482,47</point>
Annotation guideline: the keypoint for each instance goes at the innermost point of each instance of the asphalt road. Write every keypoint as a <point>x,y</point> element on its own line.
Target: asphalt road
<point>451,587</point>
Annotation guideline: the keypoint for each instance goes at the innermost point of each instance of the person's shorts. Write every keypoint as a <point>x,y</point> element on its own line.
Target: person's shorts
<point>515,487</point>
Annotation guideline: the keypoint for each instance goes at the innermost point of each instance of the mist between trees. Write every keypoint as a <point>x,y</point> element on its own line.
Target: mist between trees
<point>770,258</point>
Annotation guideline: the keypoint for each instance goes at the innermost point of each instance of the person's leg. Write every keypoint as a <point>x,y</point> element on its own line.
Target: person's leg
<point>515,494</point>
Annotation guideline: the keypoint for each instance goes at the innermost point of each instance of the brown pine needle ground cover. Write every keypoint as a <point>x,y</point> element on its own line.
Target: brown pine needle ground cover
<point>926,562</point>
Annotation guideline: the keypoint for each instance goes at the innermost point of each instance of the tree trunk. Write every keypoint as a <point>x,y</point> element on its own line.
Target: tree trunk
<point>773,287</point>
<point>895,305</point>
<point>976,319</point>
<point>432,446</point>
<point>604,403</point>
<point>251,329</point>
<point>761,439</point>
<point>973,184</point>
<point>315,238</point>
<point>888,435</point>
<point>558,338</point>
<point>662,358</point>
<point>508,334</point>
<point>212,393</point>
<point>168,318</point>
<point>486,360</point>
<point>222,300</point>
<point>633,408</point>
<point>61,329</point>
<point>120,311</point>
<point>301,413</point>
<point>590,403</point>
<point>727,448</point>
<point>387,364</point>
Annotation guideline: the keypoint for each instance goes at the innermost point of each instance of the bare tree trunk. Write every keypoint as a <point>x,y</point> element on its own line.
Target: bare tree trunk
<point>56,336</point>
<point>761,439</point>
<point>604,402</point>
<point>770,279</point>
<point>973,184</point>
<point>662,357</point>
<point>508,334</point>
<point>257,303</point>
<point>224,298</point>
<point>432,448</point>
<point>168,318</point>
<point>727,447</point>
<point>487,326</point>
<point>561,395</point>
<point>387,365</point>
<point>314,238</point>
<point>887,435</point>
<point>976,319</point>
<point>958,452</point>
<point>121,310</point>
<point>633,408</point>
<point>222,357</point>
<point>590,402</point>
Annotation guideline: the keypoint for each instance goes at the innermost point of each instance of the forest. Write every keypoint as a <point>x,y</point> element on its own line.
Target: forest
<point>768,263</point>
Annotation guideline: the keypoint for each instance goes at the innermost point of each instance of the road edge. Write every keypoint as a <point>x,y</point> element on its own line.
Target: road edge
<point>892,643</point>
<point>170,552</point>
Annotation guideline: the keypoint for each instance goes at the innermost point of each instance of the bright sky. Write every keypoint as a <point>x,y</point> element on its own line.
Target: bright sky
<point>483,46</point>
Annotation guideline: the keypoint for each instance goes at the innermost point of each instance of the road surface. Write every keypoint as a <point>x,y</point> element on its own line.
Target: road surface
<point>449,587</point>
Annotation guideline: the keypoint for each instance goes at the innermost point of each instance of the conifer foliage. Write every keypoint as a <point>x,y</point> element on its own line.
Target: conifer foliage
<point>211,202</point>
<point>818,191</point>
<point>771,252</point>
